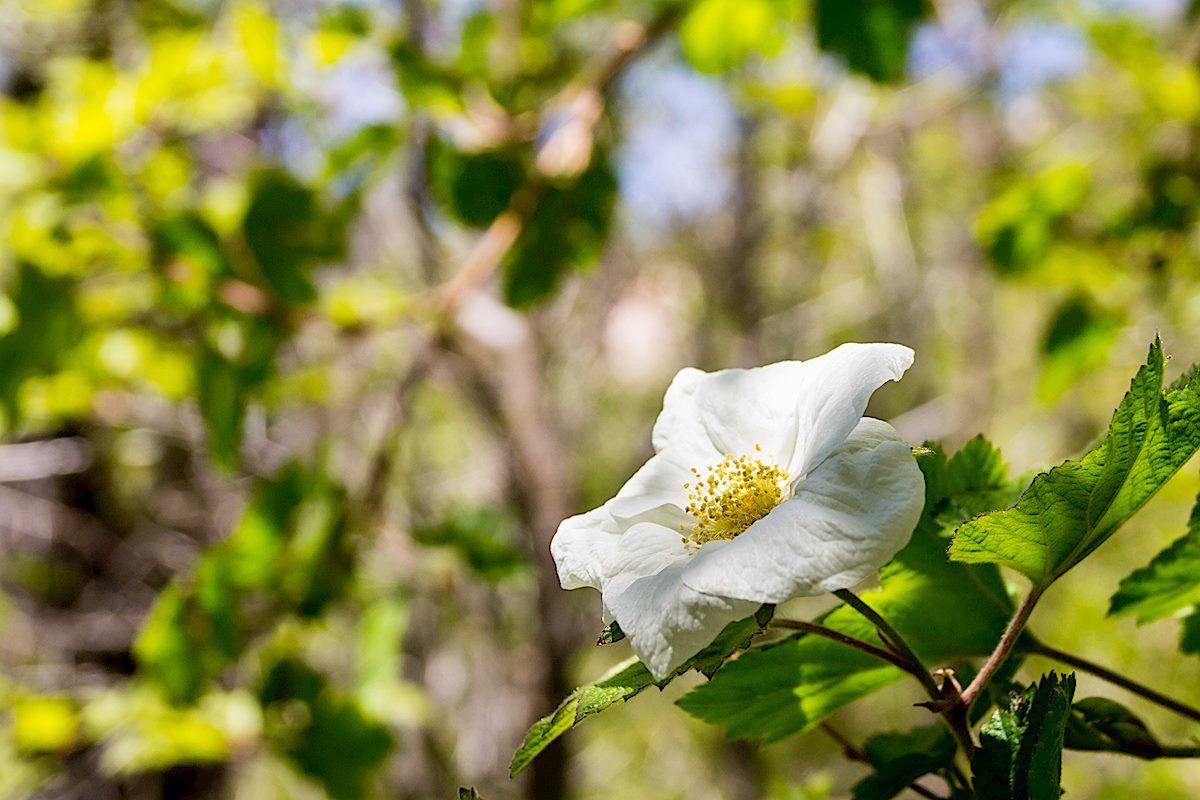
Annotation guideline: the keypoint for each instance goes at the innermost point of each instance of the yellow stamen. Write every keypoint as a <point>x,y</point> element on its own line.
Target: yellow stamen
<point>732,496</point>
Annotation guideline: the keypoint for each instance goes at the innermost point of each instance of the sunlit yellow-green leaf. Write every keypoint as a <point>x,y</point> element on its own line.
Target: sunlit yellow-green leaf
<point>45,724</point>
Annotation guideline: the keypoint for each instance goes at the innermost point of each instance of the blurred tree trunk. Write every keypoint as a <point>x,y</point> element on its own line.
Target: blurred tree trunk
<point>512,384</point>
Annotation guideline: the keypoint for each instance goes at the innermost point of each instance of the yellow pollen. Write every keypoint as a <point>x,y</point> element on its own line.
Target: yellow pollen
<point>731,496</point>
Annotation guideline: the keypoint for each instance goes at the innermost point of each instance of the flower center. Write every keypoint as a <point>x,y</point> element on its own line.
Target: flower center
<point>728,497</point>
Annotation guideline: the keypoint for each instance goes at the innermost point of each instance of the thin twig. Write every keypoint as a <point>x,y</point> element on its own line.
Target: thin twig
<point>629,40</point>
<point>1119,680</point>
<point>849,641</point>
<point>1009,640</point>
<point>893,638</point>
<point>950,707</point>
<point>1179,752</point>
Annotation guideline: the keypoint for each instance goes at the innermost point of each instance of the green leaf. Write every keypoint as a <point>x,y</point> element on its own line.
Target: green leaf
<point>1077,341</point>
<point>789,686</point>
<point>47,327</point>
<point>332,740</point>
<point>287,231</point>
<point>93,178</point>
<point>45,724</point>
<point>221,396</point>
<point>718,35</point>
<point>174,649</point>
<point>288,554</point>
<point>1168,584</point>
<point>481,537</point>
<point>1097,723</point>
<point>1189,641</point>
<point>626,680</point>
<point>424,83</point>
<point>1020,752</point>
<point>474,187</point>
<point>565,232</point>
<point>973,481</point>
<point>901,758</point>
<point>612,633</point>
<point>468,793</point>
<point>871,35</point>
<point>1019,228</point>
<point>318,562</point>
<point>1071,510</point>
<point>227,381</point>
<point>190,236</point>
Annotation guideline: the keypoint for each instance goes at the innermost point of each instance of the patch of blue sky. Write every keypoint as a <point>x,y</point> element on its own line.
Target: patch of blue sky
<point>936,49</point>
<point>1039,53</point>
<point>357,92</point>
<point>674,162</point>
<point>1031,55</point>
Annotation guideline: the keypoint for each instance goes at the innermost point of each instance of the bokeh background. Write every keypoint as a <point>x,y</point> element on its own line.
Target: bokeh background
<point>318,316</point>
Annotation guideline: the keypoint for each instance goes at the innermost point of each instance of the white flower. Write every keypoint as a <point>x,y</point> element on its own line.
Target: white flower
<point>766,484</point>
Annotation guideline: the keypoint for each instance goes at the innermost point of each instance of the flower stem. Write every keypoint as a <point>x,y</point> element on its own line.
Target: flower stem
<point>951,709</point>
<point>1119,680</point>
<point>849,641</point>
<point>892,638</point>
<point>1009,640</point>
<point>1179,752</point>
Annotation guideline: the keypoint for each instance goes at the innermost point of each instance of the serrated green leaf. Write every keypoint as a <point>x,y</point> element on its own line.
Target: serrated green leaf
<point>626,680</point>
<point>787,687</point>
<point>623,682</point>
<point>901,758</point>
<point>1097,723</point>
<point>1169,583</point>
<point>1071,510</point>
<point>1020,752</point>
<point>780,690</point>
<point>612,633</point>
<point>872,35</point>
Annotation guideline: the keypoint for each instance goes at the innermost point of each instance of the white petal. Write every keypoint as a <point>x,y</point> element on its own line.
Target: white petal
<point>848,518</point>
<point>706,415</point>
<point>797,411</point>
<point>659,482</point>
<point>834,394</point>
<point>594,548</point>
<point>582,546</point>
<point>666,622</point>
